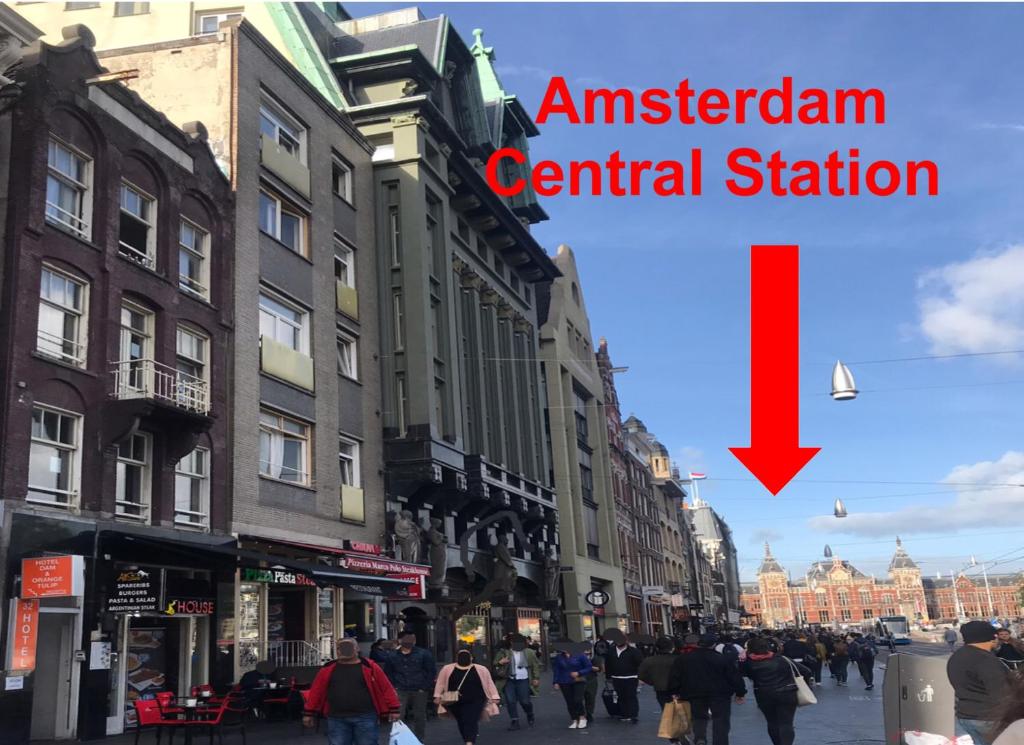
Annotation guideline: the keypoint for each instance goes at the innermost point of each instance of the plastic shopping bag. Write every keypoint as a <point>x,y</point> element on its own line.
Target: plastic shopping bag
<point>402,735</point>
<point>925,738</point>
<point>675,720</point>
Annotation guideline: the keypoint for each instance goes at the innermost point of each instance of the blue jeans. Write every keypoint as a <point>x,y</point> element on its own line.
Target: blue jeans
<point>358,730</point>
<point>518,692</point>
<point>978,729</point>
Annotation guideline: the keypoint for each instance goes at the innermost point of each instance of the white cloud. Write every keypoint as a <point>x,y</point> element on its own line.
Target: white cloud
<point>691,458</point>
<point>972,507</point>
<point>975,305</point>
<point>1011,127</point>
<point>763,535</point>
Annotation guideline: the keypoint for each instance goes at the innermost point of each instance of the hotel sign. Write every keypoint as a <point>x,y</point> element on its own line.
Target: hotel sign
<point>53,577</point>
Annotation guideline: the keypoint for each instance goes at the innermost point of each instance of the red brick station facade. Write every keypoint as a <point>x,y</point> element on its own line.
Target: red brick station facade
<point>835,594</point>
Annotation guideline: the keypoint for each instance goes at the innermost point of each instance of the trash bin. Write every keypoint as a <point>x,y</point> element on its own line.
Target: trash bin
<point>917,697</point>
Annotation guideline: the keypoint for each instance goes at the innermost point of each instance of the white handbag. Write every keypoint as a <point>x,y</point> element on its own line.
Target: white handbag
<point>804,695</point>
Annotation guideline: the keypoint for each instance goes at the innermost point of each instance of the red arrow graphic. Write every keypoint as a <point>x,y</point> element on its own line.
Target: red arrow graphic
<point>774,455</point>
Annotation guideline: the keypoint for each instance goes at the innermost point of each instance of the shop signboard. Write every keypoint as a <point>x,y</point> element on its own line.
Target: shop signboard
<point>363,548</point>
<point>178,606</point>
<point>413,591</point>
<point>53,577</point>
<point>135,590</point>
<point>377,565</point>
<point>276,577</point>
<point>23,633</point>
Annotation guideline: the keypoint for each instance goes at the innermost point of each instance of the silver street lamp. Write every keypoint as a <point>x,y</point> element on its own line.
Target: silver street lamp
<point>843,386</point>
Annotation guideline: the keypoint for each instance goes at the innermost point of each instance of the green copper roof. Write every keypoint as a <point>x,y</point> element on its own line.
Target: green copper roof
<point>490,86</point>
<point>305,53</point>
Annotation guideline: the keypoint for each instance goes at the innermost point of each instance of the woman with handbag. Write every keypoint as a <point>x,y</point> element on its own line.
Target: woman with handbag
<point>466,692</point>
<point>779,687</point>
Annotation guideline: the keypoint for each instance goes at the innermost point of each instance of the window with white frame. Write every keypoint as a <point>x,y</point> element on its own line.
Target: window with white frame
<point>283,128</point>
<point>208,22</point>
<point>61,331</point>
<point>192,489</point>
<point>68,188</point>
<point>344,264</point>
<point>284,448</point>
<point>136,347</point>
<point>284,323</point>
<point>130,9</point>
<point>137,231</point>
<point>191,363</point>
<point>193,251</point>
<point>348,462</point>
<point>53,461</point>
<point>132,483</point>
<point>282,221</point>
<point>341,178</point>
<point>347,357</point>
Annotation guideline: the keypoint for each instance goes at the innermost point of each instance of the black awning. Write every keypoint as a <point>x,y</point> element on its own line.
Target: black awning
<point>321,574</point>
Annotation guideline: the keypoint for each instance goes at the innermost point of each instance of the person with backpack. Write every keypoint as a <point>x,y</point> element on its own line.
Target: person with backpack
<point>840,660</point>
<point>730,650</point>
<point>864,656</point>
<point>708,681</point>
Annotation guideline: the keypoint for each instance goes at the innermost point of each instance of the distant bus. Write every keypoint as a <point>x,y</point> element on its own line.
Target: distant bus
<point>898,626</point>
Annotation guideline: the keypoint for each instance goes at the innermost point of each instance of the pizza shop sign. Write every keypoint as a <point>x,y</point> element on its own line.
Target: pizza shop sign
<point>276,577</point>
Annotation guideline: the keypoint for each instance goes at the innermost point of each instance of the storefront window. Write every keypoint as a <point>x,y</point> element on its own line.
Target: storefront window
<point>588,628</point>
<point>325,601</point>
<point>530,628</point>
<point>248,625</point>
<point>471,630</point>
<point>360,622</point>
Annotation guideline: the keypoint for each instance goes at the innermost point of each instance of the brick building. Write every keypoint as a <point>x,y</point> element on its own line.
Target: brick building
<point>115,377</point>
<point>835,594</point>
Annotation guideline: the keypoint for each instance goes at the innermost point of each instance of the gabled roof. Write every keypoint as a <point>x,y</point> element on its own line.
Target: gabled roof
<point>426,35</point>
<point>901,559</point>
<point>819,571</point>
<point>769,565</point>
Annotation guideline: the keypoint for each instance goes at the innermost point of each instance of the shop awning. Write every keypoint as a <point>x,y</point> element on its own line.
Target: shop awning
<point>321,574</point>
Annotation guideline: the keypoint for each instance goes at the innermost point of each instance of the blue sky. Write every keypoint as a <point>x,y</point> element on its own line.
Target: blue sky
<point>666,279</point>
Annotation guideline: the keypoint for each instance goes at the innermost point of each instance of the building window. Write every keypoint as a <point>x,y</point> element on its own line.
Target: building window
<point>80,6</point>
<point>435,234</point>
<point>341,178</point>
<point>394,236</point>
<point>868,613</point>
<point>399,332</point>
<point>282,128</point>
<point>192,489</point>
<point>68,195</point>
<point>209,23</point>
<point>580,408</point>
<point>137,235</point>
<point>284,323</point>
<point>193,268</point>
<point>130,9</point>
<point>344,264</point>
<point>53,459</point>
<point>61,327</point>
<point>402,403</point>
<point>191,362</point>
<point>134,367</point>
<point>586,476</point>
<point>846,614</point>
<point>823,616</point>
<point>348,462</point>
<point>132,480</point>
<point>347,357</point>
<point>284,448</point>
<point>283,222</point>
<point>593,540</point>
<point>844,599</point>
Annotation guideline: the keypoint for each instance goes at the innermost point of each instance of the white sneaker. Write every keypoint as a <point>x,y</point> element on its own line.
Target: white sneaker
<point>582,724</point>
<point>574,724</point>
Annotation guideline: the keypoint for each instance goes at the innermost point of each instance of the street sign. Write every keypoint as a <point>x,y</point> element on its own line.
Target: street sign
<point>696,606</point>
<point>598,598</point>
<point>653,590</point>
<point>707,620</point>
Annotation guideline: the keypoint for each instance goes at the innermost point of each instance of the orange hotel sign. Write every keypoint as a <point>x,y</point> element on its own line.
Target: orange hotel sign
<point>52,577</point>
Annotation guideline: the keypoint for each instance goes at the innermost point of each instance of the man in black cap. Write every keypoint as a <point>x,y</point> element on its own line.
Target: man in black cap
<point>979,680</point>
<point>622,667</point>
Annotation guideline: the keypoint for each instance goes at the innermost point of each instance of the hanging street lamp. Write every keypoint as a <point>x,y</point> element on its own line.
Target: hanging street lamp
<point>828,551</point>
<point>839,509</point>
<point>843,387</point>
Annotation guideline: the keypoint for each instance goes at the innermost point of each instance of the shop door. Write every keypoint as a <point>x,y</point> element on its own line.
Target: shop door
<point>52,705</point>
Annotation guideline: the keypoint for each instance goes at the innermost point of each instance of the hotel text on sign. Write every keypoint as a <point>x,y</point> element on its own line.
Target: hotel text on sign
<point>24,627</point>
<point>52,577</point>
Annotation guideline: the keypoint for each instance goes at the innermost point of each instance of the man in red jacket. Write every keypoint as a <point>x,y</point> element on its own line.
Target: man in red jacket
<point>353,694</point>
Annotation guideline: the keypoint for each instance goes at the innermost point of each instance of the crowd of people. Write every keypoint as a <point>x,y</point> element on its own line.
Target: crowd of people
<point>710,672</point>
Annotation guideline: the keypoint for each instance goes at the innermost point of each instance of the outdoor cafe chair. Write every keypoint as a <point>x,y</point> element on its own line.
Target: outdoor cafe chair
<point>149,716</point>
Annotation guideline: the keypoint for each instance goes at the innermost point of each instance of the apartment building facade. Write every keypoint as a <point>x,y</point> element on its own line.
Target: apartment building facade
<point>593,590</point>
<point>117,319</point>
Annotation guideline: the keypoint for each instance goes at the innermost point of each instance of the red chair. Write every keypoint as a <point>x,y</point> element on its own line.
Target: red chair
<point>165,699</point>
<point>229,716</point>
<point>149,716</point>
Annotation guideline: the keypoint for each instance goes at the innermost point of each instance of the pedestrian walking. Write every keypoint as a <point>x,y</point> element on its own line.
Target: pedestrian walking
<point>840,661</point>
<point>569,670</point>
<point>466,692</point>
<point>708,681</point>
<point>353,694</point>
<point>1008,649</point>
<point>979,680</point>
<point>774,689</point>
<point>518,672</point>
<point>865,656</point>
<point>950,637</point>
<point>622,667</point>
<point>656,670</point>
<point>593,678</point>
<point>412,670</point>
<point>890,641</point>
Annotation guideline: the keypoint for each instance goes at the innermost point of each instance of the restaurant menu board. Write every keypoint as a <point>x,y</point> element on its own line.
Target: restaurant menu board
<point>135,590</point>
<point>275,619</point>
<point>147,667</point>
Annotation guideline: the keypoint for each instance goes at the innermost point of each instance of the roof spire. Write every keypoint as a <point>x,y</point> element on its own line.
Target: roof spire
<point>767,550</point>
<point>899,543</point>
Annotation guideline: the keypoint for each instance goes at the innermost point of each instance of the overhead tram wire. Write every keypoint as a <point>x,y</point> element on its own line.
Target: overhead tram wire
<point>888,483</point>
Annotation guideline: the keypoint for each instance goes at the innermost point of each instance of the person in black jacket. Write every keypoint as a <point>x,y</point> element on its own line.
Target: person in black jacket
<point>979,680</point>
<point>622,668</point>
<point>774,688</point>
<point>707,680</point>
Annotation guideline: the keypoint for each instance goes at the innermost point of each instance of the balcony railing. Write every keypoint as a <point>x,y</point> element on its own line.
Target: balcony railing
<point>290,653</point>
<point>146,378</point>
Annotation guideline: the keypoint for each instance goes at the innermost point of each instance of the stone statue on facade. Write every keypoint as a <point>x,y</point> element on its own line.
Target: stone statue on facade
<point>408,537</point>
<point>437,542</point>
<point>552,575</point>
<point>505,575</point>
